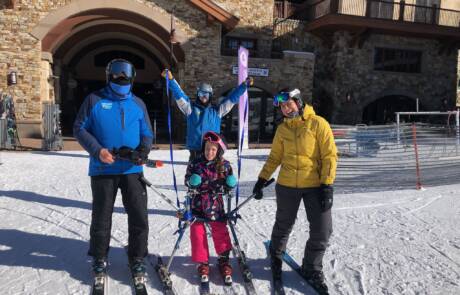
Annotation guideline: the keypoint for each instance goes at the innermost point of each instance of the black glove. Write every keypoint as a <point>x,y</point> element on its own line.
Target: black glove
<point>137,156</point>
<point>326,197</point>
<point>257,190</point>
<point>143,153</point>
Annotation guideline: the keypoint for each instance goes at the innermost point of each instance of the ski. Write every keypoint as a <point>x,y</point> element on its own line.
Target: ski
<point>245,271</point>
<point>278,287</point>
<point>204,285</point>
<point>294,265</point>
<point>100,284</point>
<point>139,280</point>
<point>163,275</point>
<point>139,285</point>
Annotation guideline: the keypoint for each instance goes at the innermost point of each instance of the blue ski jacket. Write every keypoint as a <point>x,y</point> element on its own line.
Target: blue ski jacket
<point>201,119</point>
<point>108,120</point>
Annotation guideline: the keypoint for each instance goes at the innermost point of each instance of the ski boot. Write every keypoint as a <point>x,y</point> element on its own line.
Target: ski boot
<point>203,272</point>
<point>100,275</point>
<point>316,280</point>
<point>225,268</point>
<point>138,271</point>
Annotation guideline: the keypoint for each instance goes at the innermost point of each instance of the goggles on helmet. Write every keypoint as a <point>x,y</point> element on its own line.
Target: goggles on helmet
<point>203,94</point>
<point>214,138</point>
<point>285,96</point>
<point>121,69</point>
<point>279,98</point>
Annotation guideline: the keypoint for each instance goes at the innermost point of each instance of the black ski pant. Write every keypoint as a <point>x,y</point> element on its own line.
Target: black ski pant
<point>320,223</point>
<point>134,197</point>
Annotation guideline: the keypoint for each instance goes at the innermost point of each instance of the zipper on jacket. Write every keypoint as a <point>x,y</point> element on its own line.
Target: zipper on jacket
<point>297,159</point>
<point>122,112</point>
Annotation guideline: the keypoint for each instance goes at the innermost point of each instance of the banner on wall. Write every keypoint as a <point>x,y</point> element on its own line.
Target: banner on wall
<point>243,126</point>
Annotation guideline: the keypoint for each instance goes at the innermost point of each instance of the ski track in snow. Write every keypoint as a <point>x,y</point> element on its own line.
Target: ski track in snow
<point>387,242</point>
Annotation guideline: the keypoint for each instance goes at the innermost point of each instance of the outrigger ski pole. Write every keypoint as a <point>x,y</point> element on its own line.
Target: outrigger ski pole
<point>163,196</point>
<point>232,215</point>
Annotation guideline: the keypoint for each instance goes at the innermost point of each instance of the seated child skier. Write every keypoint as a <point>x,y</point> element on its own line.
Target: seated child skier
<point>209,174</point>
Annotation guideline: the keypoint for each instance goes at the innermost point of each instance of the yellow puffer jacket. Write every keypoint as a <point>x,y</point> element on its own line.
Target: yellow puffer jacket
<point>305,148</point>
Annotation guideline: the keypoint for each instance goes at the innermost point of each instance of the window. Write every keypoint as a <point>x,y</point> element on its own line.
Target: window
<point>231,44</point>
<point>397,60</point>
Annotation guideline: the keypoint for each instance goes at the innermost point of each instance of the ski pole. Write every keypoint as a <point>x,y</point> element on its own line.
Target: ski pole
<point>231,213</point>
<point>163,196</point>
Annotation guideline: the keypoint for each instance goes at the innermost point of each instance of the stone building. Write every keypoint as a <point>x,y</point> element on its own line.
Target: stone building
<point>354,60</point>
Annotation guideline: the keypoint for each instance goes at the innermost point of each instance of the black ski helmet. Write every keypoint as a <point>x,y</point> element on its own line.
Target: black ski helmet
<point>119,70</point>
<point>214,138</point>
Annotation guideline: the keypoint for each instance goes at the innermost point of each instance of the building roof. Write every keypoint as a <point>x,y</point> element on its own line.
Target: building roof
<point>216,12</point>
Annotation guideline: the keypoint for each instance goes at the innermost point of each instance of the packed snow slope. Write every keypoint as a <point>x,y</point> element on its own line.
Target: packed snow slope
<point>384,242</point>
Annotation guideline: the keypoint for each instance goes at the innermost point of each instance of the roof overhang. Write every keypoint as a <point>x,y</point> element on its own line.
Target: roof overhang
<point>228,20</point>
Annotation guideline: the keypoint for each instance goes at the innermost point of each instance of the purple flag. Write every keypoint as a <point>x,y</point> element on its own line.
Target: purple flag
<point>243,55</point>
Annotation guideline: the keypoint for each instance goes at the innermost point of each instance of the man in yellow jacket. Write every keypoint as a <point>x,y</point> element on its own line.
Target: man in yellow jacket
<point>304,147</point>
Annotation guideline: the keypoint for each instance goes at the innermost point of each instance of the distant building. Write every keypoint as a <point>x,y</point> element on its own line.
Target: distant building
<point>356,61</point>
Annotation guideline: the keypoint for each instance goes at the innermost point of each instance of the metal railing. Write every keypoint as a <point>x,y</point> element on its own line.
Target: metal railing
<point>381,9</point>
<point>387,157</point>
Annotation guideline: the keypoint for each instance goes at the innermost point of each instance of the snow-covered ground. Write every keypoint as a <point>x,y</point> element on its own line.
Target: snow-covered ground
<point>387,242</point>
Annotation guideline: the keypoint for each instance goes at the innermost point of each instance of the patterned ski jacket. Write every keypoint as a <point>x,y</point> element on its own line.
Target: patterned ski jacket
<point>305,148</point>
<point>107,120</point>
<point>201,119</point>
<point>209,202</point>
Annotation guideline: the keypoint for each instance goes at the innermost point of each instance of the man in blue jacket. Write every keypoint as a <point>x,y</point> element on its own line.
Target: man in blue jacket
<point>113,119</point>
<point>202,116</point>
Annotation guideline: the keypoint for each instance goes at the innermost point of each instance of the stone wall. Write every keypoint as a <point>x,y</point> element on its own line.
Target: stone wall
<point>350,70</point>
<point>19,50</point>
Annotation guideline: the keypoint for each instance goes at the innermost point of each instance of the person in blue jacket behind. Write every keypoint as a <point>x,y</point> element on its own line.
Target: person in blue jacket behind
<point>202,116</point>
<point>114,128</point>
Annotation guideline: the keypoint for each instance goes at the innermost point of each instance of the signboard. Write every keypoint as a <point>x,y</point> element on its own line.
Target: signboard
<point>255,72</point>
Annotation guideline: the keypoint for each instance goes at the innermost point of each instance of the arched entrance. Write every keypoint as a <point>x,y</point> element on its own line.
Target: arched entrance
<point>82,41</point>
<point>262,118</point>
<point>382,110</point>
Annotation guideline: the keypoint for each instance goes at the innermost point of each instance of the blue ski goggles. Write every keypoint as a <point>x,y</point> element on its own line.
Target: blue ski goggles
<point>121,69</point>
<point>201,93</point>
<point>279,98</point>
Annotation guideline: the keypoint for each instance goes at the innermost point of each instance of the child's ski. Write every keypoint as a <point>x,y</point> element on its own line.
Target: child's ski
<point>204,285</point>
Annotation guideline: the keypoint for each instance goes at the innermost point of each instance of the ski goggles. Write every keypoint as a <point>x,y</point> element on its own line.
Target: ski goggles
<point>279,98</point>
<point>214,138</point>
<point>121,69</point>
<point>201,93</point>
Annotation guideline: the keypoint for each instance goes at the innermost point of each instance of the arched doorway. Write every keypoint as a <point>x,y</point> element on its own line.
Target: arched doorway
<point>82,41</point>
<point>382,110</point>
<point>262,118</point>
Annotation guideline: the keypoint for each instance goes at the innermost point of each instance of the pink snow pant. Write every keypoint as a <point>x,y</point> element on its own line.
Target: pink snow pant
<point>220,237</point>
